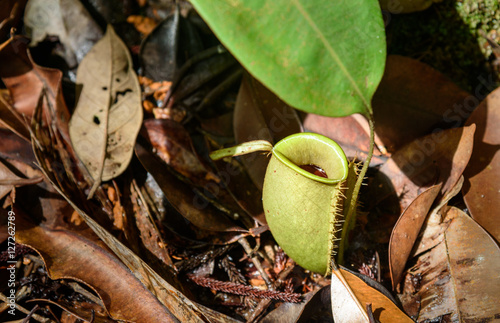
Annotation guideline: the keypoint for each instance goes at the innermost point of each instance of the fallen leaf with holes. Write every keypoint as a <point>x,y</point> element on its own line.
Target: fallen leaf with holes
<point>108,114</point>
<point>482,184</point>
<point>406,231</point>
<point>459,278</point>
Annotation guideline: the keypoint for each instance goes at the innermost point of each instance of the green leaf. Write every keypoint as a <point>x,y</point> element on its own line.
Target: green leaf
<point>322,57</point>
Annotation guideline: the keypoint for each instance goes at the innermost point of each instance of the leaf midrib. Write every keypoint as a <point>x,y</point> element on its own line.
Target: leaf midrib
<point>331,51</point>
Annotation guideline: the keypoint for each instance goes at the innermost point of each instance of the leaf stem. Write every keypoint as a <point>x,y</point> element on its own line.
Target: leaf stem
<point>357,186</point>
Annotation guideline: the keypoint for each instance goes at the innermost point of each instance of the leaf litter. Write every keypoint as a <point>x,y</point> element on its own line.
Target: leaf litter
<point>187,235</point>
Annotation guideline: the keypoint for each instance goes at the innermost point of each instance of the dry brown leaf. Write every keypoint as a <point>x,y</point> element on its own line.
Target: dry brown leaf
<point>413,100</point>
<point>173,145</point>
<point>459,278</point>
<point>149,233</point>
<point>383,308</point>
<point>436,158</point>
<point>346,307</point>
<point>72,255</point>
<point>348,132</point>
<point>434,226</point>
<point>25,80</point>
<point>108,114</point>
<point>10,118</point>
<point>66,19</point>
<point>482,185</point>
<point>182,197</point>
<point>406,231</point>
<point>260,114</point>
<point>9,180</point>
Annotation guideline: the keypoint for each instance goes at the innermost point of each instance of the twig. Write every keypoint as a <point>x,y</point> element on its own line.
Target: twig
<point>256,262</point>
<point>377,265</point>
<point>27,318</point>
<point>79,289</point>
<point>193,262</point>
<point>37,317</point>
<point>264,304</point>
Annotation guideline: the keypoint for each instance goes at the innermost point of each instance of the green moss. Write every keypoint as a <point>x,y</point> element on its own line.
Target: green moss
<point>447,36</point>
<point>481,15</point>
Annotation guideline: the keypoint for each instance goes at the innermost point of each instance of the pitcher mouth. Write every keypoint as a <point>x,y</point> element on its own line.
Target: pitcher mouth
<point>310,148</point>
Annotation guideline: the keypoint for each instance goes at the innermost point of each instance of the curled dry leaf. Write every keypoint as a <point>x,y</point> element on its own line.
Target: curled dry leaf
<point>459,278</point>
<point>182,197</point>
<point>168,47</point>
<point>350,295</point>
<point>25,81</point>
<point>482,184</point>
<point>108,114</point>
<point>9,180</point>
<point>66,19</point>
<point>431,233</point>
<point>149,233</point>
<point>292,312</point>
<point>10,118</point>
<point>406,231</point>
<point>436,158</point>
<point>173,145</point>
<point>11,12</point>
<point>260,115</point>
<point>420,98</point>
